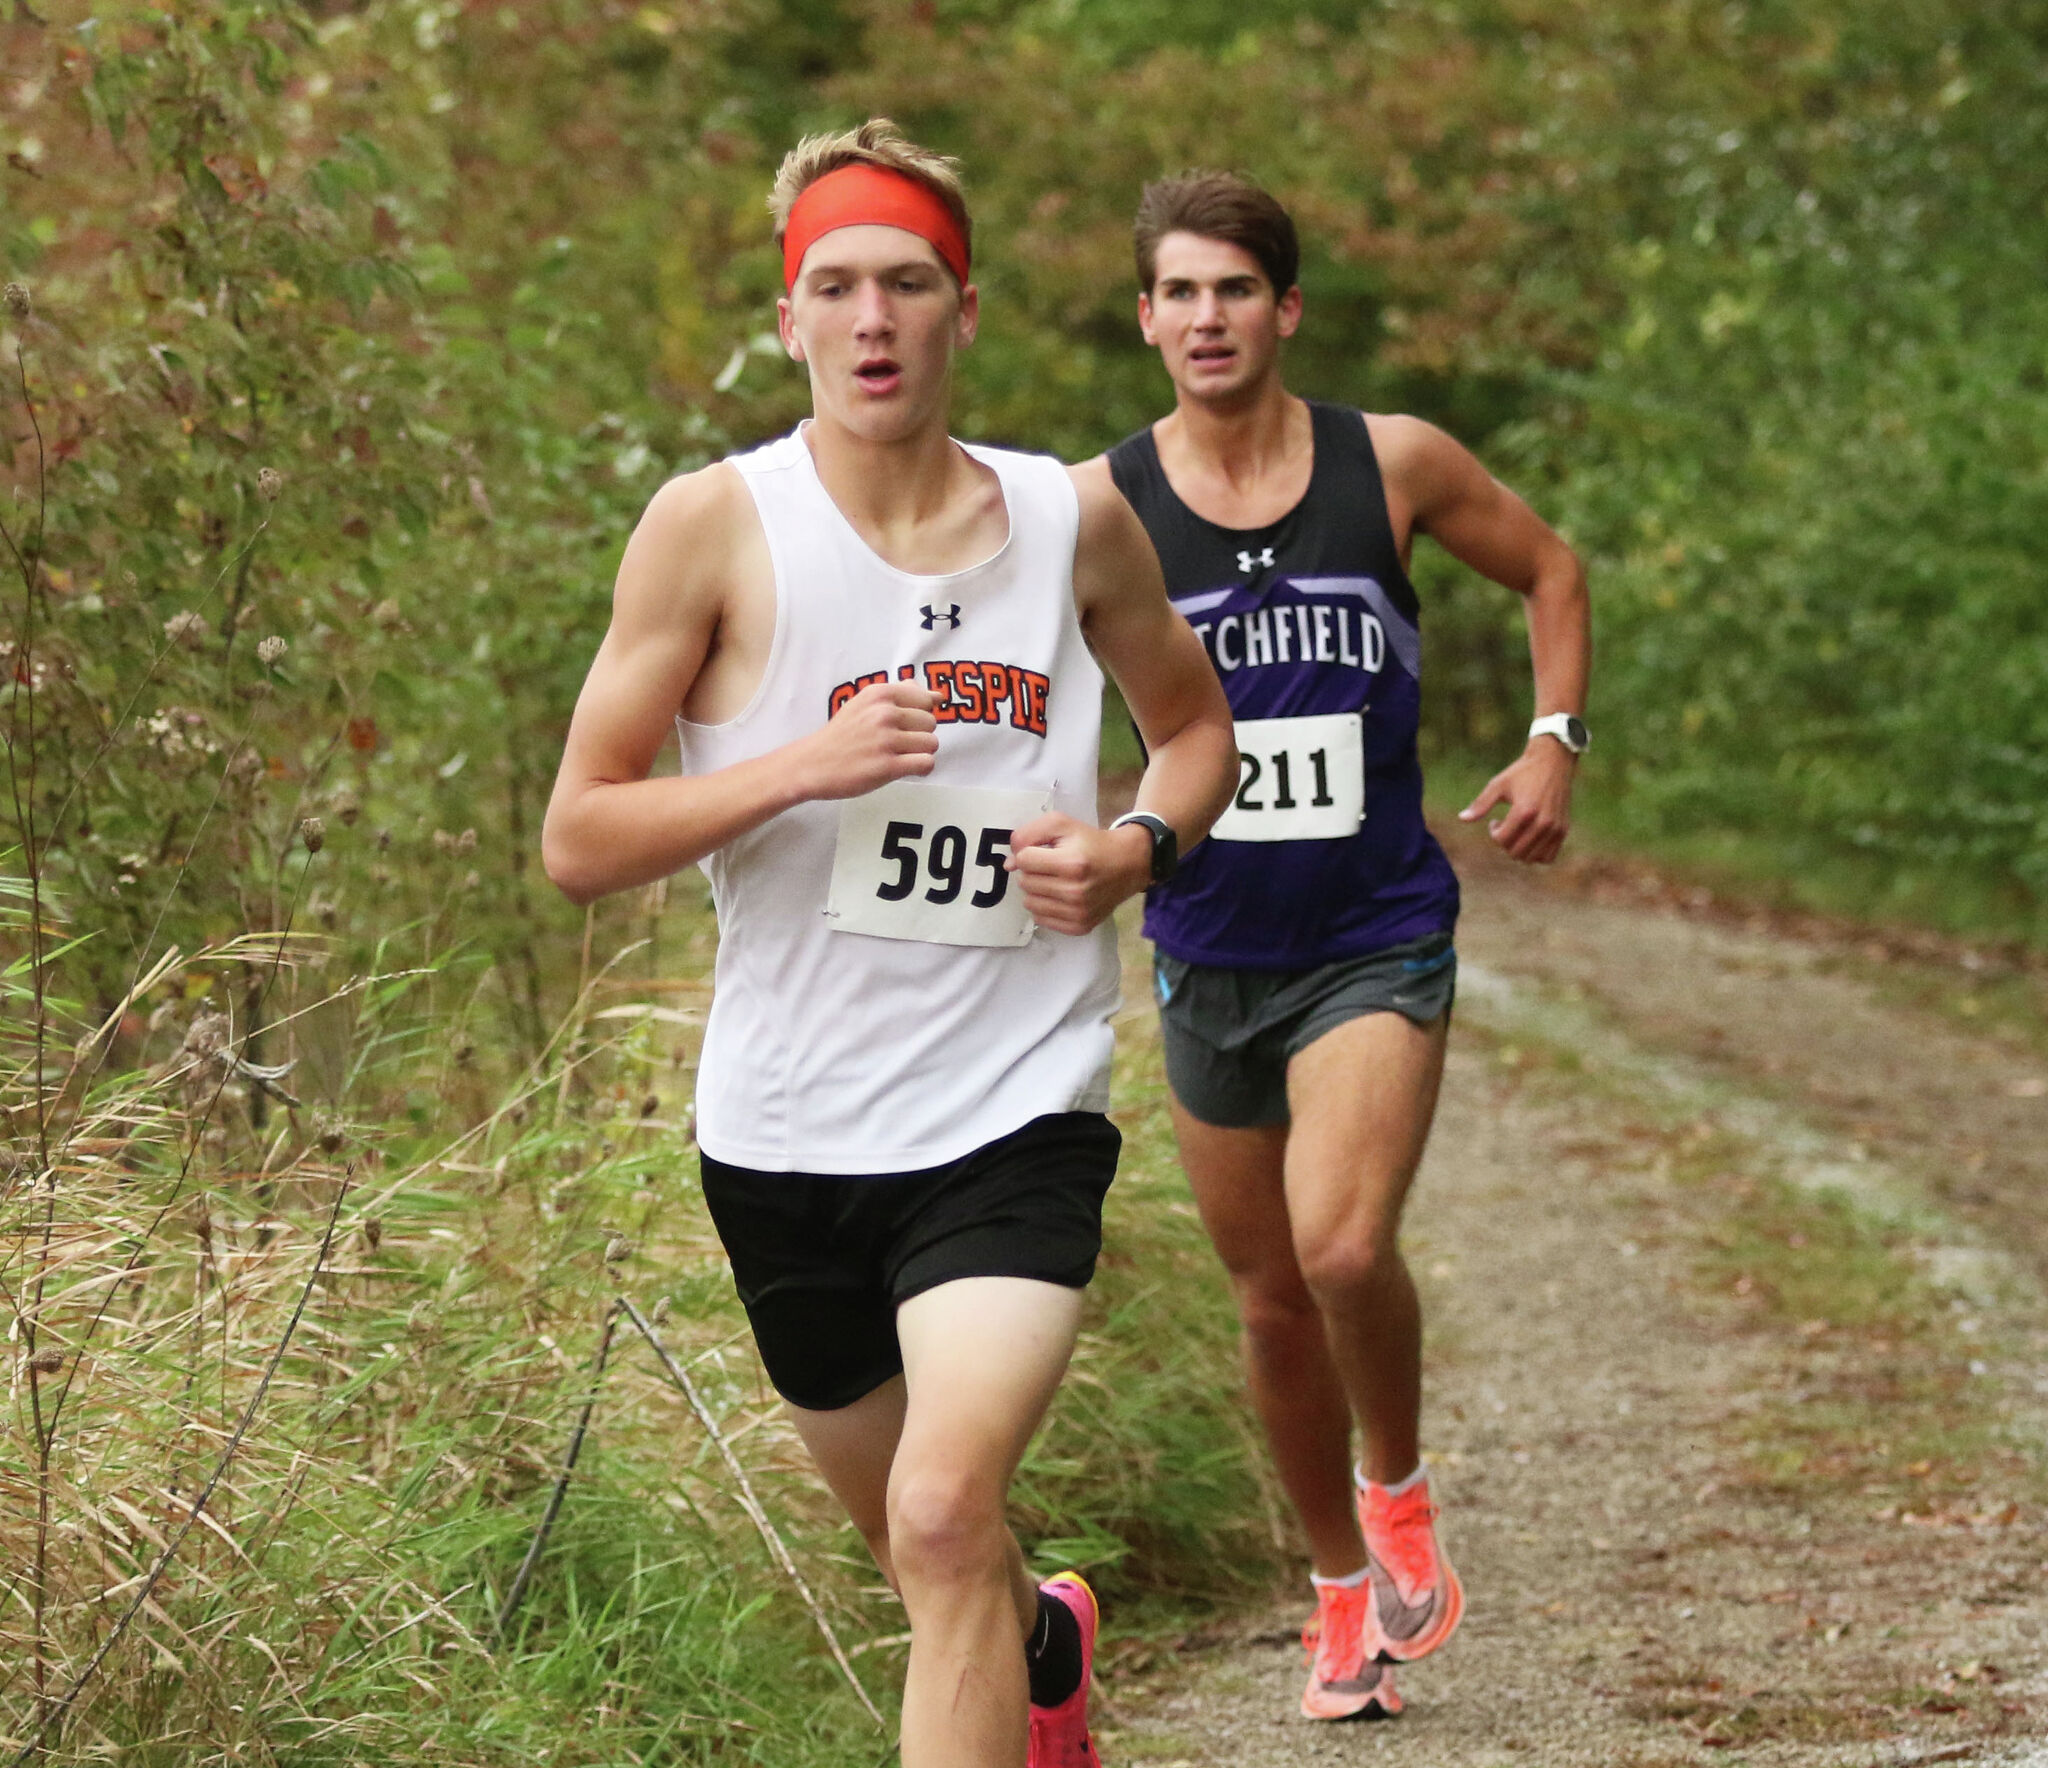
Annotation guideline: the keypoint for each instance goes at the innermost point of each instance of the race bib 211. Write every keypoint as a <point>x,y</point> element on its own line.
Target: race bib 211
<point>1298,779</point>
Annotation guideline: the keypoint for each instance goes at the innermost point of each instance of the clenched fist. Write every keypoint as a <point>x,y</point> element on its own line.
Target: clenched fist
<point>1073,875</point>
<point>885,732</point>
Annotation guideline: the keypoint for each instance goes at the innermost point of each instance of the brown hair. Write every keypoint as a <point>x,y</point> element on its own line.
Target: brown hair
<point>1216,205</point>
<point>877,142</point>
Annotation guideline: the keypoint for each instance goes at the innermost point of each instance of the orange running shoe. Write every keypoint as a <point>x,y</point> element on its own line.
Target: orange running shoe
<point>1059,1735</point>
<point>1346,1680</point>
<point>1417,1599</point>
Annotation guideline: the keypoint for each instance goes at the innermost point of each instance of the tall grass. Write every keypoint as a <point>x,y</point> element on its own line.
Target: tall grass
<point>321,1585</point>
<point>335,1598</point>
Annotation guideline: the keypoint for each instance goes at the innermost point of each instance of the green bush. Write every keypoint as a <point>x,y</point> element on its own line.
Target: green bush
<point>1809,468</point>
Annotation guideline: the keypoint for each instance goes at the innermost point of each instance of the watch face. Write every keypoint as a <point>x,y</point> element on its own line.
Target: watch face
<point>1575,733</point>
<point>1165,856</point>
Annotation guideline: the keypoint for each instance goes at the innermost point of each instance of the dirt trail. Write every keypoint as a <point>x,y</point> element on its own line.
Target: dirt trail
<point>1694,1525</point>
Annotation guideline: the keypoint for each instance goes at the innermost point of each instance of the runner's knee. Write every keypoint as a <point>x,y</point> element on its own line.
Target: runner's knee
<point>1345,1268</point>
<point>1276,1310</point>
<point>945,1526</point>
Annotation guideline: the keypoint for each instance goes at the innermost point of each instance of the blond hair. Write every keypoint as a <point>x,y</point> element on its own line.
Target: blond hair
<point>877,142</point>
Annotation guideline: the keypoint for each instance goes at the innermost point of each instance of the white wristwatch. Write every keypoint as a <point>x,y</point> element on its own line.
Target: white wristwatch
<point>1569,731</point>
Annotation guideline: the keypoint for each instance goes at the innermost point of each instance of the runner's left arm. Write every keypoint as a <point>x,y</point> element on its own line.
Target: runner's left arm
<point>1072,875</point>
<point>1477,519</point>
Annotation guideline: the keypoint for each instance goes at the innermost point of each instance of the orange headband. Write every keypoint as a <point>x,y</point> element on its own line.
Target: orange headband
<point>859,195</point>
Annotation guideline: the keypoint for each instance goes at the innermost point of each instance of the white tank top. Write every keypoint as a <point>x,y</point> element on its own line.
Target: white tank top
<point>894,1049</point>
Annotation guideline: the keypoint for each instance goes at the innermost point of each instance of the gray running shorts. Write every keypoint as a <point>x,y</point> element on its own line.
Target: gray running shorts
<point>1231,1033</point>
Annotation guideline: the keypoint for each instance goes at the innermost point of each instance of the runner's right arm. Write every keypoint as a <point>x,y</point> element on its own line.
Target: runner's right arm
<point>609,826</point>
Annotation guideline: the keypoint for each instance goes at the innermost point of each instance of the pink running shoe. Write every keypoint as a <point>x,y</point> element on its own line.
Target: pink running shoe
<point>1346,1680</point>
<point>1059,1735</point>
<point>1417,1599</point>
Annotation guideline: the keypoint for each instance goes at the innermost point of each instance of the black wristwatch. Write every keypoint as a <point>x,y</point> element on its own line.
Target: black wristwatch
<point>1165,843</point>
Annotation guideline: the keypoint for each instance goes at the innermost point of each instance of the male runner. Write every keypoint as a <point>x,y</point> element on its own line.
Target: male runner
<point>875,644</point>
<point>1305,965</point>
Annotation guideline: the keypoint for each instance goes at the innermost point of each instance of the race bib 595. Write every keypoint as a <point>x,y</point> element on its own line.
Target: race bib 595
<point>1298,779</point>
<point>925,862</point>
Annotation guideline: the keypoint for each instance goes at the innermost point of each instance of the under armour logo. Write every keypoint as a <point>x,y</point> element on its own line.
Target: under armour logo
<point>1246,560</point>
<point>932,616</point>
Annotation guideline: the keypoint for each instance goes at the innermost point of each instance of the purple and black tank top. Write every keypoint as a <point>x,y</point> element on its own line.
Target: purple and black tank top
<point>1313,626</point>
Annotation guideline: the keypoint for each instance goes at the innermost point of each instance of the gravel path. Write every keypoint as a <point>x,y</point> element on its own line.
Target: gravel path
<point>1697,1523</point>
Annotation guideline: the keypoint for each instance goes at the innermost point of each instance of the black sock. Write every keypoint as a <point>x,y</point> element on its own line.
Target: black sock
<point>1052,1656</point>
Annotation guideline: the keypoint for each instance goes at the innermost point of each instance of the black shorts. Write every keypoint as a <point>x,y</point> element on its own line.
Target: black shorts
<point>1229,1034</point>
<point>822,1261</point>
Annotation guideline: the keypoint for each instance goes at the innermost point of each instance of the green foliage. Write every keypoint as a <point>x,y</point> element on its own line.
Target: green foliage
<point>384,415</point>
<point>1809,462</point>
<point>228,425</point>
<point>1745,298</point>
